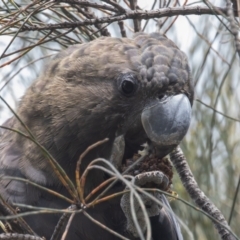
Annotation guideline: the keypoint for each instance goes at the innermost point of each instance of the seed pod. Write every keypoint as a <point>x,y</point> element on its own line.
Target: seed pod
<point>149,164</point>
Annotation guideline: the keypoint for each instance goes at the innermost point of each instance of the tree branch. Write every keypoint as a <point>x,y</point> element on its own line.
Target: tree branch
<point>130,14</point>
<point>180,163</point>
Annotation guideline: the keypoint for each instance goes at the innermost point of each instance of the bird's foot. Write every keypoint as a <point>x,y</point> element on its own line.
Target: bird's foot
<point>151,201</point>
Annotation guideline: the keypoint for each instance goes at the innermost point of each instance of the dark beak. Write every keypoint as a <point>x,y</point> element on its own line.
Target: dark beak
<point>166,121</point>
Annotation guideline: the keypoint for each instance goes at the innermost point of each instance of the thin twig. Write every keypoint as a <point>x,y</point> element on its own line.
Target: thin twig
<point>137,21</point>
<point>80,187</point>
<point>165,12</point>
<point>234,201</point>
<point>58,170</point>
<point>122,29</point>
<point>207,42</point>
<point>19,236</point>
<point>233,25</point>
<point>90,4</point>
<point>38,186</point>
<point>116,5</point>
<point>62,221</point>
<point>174,20</point>
<point>215,106</point>
<point>99,187</point>
<point>146,23</point>
<point>215,110</point>
<point>104,226</point>
<point>20,69</point>
<point>69,223</point>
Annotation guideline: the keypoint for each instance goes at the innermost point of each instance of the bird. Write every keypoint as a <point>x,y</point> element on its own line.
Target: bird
<point>139,88</point>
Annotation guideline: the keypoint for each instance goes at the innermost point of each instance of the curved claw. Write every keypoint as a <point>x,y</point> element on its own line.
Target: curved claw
<point>157,177</point>
<point>152,207</point>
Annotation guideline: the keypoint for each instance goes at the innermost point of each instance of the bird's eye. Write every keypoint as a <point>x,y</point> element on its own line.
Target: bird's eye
<point>128,87</point>
<point>161,96</point>
<point>127,84</point>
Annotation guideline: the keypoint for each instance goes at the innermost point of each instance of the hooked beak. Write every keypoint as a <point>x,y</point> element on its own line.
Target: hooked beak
<point>166,121</point>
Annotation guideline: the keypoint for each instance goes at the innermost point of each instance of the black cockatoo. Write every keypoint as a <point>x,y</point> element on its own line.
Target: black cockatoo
<point>138,88</point>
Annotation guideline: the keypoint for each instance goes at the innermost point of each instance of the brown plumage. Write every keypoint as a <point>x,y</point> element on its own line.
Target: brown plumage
<point>78,100</point>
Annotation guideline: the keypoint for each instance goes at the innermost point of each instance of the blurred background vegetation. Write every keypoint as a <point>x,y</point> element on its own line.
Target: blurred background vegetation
<point>212,145</point>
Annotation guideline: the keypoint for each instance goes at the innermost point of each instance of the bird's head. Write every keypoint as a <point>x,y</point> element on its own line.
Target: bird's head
<point>140,88</point>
